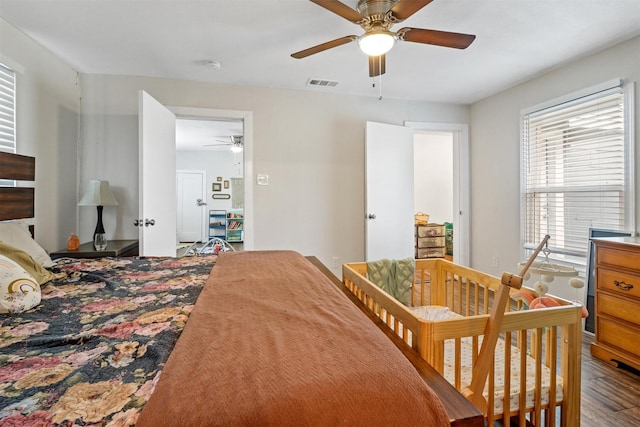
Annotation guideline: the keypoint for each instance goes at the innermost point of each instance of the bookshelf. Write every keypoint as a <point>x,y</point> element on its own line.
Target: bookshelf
<point>218,224</point>
<point>235,226</point>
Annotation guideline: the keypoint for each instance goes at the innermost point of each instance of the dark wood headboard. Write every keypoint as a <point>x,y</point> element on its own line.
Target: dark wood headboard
<point>17,202</point>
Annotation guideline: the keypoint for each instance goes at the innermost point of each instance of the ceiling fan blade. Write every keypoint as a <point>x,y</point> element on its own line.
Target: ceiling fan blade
<point>340,9</point>
<point>323,47</point>
<point>377,65</point>
<point>434,37</point>
<point>406,8</point>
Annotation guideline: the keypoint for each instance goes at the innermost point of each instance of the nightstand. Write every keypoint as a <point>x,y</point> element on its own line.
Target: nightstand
<point>115,248</point>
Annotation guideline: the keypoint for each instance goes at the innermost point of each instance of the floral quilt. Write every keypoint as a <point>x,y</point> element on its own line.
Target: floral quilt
<point>91,353</point>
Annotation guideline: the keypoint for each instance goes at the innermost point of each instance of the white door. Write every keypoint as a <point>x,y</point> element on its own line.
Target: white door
<point>157,177</point>
<point>389,192</point>
<point>190,192</point>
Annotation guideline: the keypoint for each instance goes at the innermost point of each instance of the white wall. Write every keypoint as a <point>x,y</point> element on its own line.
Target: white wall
<point>47,107</point>
<point>221,163</point>
<point>495,151</point>
<point>310,144</point>
<point>433,172</point>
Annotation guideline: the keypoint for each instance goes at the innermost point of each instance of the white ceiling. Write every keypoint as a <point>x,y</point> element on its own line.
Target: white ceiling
<point>253,39</point>
<point>206,135</point>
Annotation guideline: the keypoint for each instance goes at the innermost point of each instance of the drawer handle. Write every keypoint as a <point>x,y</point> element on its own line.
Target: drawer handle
<point>622,285</point>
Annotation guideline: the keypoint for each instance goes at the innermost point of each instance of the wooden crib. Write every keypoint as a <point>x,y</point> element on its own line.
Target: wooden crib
<point>445,323</point>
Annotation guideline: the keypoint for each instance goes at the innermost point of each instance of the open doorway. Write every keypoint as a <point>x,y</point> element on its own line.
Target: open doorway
<point>433,183</point>
<point>212,206</point>
<point>459,176</point>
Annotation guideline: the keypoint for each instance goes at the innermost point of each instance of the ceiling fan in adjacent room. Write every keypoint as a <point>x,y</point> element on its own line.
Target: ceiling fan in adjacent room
<point>376,17</point>
<point>235,143</point>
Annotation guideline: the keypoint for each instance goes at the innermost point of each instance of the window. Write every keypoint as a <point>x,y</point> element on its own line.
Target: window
<point>7,110</point>
<point>7,114</point>
<point>577,169</point>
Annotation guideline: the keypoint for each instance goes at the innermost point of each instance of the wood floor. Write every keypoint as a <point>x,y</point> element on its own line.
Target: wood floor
<point>610,396</point>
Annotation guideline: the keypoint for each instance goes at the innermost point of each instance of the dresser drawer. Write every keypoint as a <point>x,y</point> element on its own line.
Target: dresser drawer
<point>430,230</point>
<point>430,242</point>
<point>618,282</point>
<point>623,309</point>
<point>618,258</point>
<point>430,252</point>
<point>618,335</point>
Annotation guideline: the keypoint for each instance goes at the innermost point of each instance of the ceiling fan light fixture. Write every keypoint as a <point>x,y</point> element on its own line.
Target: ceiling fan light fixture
<point>376,43</point>
<point>236,147</point>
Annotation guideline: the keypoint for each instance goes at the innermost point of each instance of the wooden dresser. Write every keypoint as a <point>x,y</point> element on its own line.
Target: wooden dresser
<point>617,300</point>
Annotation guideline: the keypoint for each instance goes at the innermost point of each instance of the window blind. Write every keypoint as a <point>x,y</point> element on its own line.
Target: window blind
<point>7,110</point>
<point>7,114</point>
<point>574,171</point>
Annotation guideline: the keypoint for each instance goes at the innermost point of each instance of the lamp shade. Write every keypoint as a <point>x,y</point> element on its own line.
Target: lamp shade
<point>98,193</point>
<point>376,43</point>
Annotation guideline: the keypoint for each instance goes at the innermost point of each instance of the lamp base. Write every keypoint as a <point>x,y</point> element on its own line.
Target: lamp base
<point>100,241</point>
<point>99,236</point>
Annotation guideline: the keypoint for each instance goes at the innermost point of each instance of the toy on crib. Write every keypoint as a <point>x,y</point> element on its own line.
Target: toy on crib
<point>548,273</point>
<point>539,299</point>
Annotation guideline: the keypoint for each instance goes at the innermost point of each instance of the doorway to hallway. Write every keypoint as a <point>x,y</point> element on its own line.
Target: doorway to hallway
<point>226,187</point>
<point>214,146</point>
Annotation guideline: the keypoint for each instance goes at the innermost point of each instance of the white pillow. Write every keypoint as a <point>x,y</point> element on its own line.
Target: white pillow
<point>19,291</point>
<point>16,234</point>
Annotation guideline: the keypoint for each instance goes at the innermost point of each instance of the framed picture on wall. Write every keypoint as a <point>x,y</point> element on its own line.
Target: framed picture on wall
<point>226,183</point>
<point>219,179</point>
<point>216,186</point>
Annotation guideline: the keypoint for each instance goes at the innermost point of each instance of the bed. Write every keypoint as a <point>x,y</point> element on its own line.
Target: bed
<point>536,360</point>
<point>246,338</point>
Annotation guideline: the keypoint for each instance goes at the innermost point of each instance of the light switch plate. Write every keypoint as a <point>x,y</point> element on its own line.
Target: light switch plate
<point>262,179</point>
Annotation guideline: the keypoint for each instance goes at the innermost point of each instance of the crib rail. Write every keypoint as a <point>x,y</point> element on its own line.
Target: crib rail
<point>545,345</point>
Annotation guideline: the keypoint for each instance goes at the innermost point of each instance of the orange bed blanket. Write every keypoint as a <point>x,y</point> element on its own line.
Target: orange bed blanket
<point>271,341</point>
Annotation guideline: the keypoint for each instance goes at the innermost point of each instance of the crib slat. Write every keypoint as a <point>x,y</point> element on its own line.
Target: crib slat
<point>467,303</point>
<point>522,399</point>
<point>506,404</point>
<point>538,376</point>
<point>492,389</point>
<point>476,305</point>
<point>552,346</point>
<point>458,364</point>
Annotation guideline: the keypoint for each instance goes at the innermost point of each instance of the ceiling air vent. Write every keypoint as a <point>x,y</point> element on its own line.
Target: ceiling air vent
<point>321,83</point>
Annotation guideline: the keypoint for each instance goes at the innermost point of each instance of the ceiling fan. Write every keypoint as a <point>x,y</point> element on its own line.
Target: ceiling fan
<point>376,17</point>
<point>235,143</point>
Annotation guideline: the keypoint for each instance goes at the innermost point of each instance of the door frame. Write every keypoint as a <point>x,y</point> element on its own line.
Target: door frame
<point>247,170</point>
<point>203,219</point>
<point>461,184</point>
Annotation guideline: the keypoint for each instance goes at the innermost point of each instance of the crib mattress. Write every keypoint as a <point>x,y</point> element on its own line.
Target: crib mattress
<point>434,313</point>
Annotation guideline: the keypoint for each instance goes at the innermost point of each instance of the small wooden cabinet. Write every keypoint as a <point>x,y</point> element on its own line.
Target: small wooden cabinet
<point>617,300</point>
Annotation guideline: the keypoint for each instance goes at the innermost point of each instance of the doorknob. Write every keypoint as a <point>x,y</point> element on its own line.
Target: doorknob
<point>148,222</point>
<point>137,222</point>
<point>200,202</point>
<point>371,216</point>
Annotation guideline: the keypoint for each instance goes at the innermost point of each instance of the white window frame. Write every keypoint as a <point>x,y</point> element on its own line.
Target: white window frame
<point>628,91</point>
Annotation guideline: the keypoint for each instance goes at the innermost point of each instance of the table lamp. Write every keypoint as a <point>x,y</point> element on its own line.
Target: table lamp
<point>98,194</point>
